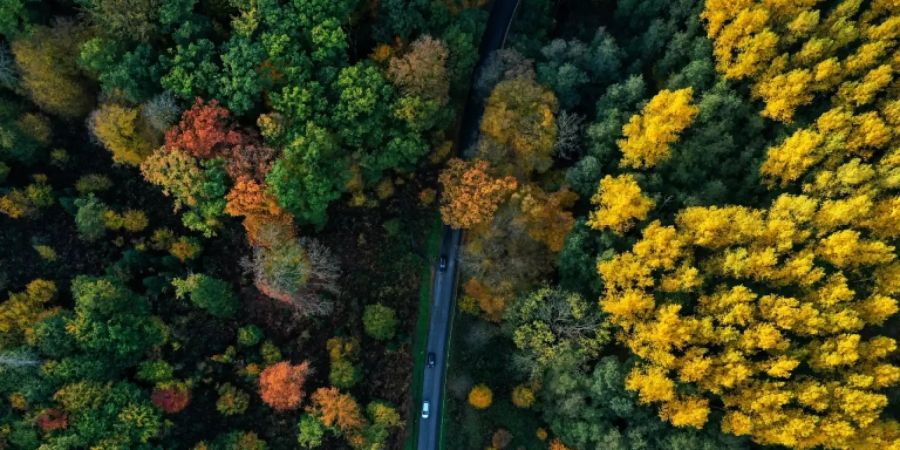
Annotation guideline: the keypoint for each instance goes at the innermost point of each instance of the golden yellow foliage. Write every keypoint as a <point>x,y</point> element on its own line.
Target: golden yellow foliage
<point>523,396</point>
<point>481,397</point>
<point>621,203</point>
<point>772,290</point>
<point>648,134</point>
<point>124,133</point>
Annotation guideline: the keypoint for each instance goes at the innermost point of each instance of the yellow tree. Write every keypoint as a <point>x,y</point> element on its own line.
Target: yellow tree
<point>47,58</point>
<point>124,133</point>
<point>519,114</point>
<point>621,204</point>
<point>648,134</point>
<point>794,51</point>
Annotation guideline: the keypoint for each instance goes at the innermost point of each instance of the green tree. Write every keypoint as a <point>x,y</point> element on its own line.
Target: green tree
<point>209,293</point>
<point>379,321</point>
<point>89,218</point>
<point>310,432</point>
<point>112,322</point>
<point>309,176</point>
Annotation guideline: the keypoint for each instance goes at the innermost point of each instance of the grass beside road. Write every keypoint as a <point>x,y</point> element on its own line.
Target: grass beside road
<point>420,338</point>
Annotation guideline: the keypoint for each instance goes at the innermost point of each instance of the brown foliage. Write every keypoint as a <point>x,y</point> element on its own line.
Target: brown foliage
<point>501,438</point>
<point>470,195</point>
<point>205,131</point>
<point>423,70</point>
<point>336,409</point>
<point>250,159</point>
<point>281,385</point>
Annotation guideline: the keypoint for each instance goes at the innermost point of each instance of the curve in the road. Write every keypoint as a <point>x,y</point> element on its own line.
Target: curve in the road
<point>444,282</point>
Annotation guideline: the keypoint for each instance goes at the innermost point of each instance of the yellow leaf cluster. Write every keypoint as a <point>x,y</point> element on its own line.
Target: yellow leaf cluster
<point>648,134</point>
<point>621,203</point>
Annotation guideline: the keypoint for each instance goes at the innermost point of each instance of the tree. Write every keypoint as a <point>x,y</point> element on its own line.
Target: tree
<point>519,114</point>
<point>131,19</point>
<point>522,396</point>
<point>336,409</point>
<point>205,131</point>
<point>198,185</point>
<point>543,215</point>
<point>470,195</point>
<point>379,321</point>
<point>209,293</point>
<point>111,322</point>
<point>648,135</point>
<point>481,397</point>
<point>281,385</point>
<point>621,204</point>
<point>47,60</point>
<point>422,71</point>
<point>171,397</point>
<point>720,258</point>
<point>298,272</point>
<point>550,326</point>
<point>310,432</point>
<point>89,219</point>
<point>23,310</point>
<point>118,414</point>
<point>123,132</point>
<point>309,176</point>
<point>239,440</point>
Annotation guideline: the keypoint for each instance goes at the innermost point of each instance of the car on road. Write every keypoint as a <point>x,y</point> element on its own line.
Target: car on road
<point>431,359</point>
<point>425,409</point>
<point>442,263</point>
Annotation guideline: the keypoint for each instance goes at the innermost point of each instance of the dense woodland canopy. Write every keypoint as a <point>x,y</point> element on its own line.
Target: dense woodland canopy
<point>219,218</point>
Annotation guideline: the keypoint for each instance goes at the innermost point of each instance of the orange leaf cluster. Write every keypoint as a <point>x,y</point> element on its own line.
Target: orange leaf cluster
<point>471,195</point>
<point>281,385</point>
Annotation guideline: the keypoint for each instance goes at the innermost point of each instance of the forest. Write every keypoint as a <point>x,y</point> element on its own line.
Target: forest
<point>221,221</point>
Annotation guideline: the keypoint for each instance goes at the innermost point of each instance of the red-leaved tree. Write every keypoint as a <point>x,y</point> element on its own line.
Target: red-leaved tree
<point>171,399</point>
<point>205,131</point>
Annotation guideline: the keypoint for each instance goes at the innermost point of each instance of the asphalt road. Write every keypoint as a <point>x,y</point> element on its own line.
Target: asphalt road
<point>444,282</point>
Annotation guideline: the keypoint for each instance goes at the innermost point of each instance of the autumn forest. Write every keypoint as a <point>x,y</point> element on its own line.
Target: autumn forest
<point>224,224</point>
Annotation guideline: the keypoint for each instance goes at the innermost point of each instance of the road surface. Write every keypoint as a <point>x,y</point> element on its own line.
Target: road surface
<point>444,282</point>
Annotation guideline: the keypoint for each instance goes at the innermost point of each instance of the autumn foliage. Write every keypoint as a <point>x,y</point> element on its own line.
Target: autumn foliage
<point>481,397</point>
<point>336,409</point>
<point>471,195</point>
<point>648,134</point>
<point>204,131</point>
<point>172,398</point>
<point>621,204</point>
<point>281,385</point>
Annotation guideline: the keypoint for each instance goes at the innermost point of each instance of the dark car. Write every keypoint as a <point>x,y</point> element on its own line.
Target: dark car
<point>442,263</point>
<point>431,359</point>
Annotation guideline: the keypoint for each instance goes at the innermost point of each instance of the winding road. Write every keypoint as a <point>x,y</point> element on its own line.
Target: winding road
<point>444,281</point>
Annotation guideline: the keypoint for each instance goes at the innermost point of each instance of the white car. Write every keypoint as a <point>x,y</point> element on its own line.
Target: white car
<point>425,406</point>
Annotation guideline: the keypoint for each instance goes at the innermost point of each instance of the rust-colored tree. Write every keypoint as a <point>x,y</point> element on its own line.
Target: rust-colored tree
<point>471,195</point>
<point>336,409</point>
<point>171,398</point>
<point>205,131</point>
<point>281,385</point>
